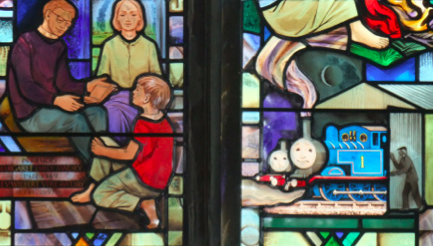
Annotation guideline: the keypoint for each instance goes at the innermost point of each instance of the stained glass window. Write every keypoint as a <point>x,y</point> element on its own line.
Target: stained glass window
<point>336,123</point>
<point>91,120</point>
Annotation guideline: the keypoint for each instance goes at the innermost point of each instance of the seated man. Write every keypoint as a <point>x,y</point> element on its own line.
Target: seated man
<point>44,96</point>
<point>153,157</point>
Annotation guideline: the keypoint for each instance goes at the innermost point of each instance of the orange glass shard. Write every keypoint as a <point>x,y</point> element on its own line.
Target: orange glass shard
<point>82,242</point>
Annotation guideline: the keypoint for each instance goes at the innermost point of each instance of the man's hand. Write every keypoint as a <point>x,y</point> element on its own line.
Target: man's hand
<point>68,103</point>
<point>99,81</point>
<point>98,146</point>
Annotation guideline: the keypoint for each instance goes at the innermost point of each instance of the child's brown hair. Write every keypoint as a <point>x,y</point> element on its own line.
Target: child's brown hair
<point>158,90</point>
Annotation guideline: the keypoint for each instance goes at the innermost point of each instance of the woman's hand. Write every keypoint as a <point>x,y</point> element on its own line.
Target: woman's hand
<point>103,81</point>
<point>98,147</point>
<point>92,84</point>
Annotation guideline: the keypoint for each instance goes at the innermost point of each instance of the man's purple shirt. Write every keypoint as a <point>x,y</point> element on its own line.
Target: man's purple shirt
<point>38,72</point>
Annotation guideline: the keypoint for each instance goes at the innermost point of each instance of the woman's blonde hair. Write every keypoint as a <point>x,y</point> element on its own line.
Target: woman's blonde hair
<point>158,89</point>
<point>141,24</point>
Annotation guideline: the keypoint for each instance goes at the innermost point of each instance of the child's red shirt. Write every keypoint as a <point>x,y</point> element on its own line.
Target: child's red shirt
<point>154,163</point>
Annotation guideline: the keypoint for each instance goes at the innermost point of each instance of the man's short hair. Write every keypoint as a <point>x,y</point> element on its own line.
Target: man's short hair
<point>157,88</point>
<point>403,148</point>
<point>116,24</point>
<point>59,4</point>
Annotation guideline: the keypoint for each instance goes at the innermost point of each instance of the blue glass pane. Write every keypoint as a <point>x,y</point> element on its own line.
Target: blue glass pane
<point>402,72</point>
<point>425,65</point>
<point>156,24</point>
<point>267,33</point>
<point>251,117</point>
<point>29,14</point>
<point>101,20</point>
<point>6,13</point>
<point>10,144</point>
<point>100,239</point>
<point>78,38</point>
<point>7,141</point>
<point>6,31</point>
<point>80,70</point>
<point>176,29</point>
<point>251,46</point>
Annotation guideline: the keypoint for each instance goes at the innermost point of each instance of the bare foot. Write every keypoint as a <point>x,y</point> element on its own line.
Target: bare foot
<point>149,208</point>
<point>84,196</point>
<point>361,34</point>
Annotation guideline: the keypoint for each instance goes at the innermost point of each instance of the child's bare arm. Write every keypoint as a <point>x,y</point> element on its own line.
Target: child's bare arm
<point>117,153</point>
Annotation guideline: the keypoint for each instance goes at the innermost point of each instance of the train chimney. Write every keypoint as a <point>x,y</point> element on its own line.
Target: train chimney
<point>306,127</point>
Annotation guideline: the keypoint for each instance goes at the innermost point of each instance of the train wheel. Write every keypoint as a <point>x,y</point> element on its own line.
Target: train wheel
<point>327,191</point>
<point>379,187</point>
<point>358,187</point>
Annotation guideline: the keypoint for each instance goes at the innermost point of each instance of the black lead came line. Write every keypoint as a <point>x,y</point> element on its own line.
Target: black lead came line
<point>98,134</point>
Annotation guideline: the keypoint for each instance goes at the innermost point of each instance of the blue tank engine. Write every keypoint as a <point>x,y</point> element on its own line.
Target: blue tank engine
<point>355,169</point>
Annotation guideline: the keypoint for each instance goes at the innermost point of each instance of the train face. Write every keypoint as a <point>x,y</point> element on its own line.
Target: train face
<point>355,169</point>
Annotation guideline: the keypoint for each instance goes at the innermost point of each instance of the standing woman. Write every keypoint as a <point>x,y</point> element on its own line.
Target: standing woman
<point>125,55</point>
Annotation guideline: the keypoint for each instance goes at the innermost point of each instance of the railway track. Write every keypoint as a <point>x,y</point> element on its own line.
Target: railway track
<point>331,208</point>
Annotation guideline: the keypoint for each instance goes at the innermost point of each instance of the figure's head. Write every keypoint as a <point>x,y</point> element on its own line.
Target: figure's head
<point>153,91</point>
<point>128,16</point>
<point>303,153</point>
<point>279,161</point>
<point>402,151</point>
<point>58,16</point>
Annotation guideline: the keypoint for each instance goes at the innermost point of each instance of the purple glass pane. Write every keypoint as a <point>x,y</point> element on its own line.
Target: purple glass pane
<point>277,125</point>
<point>78,38</point>
<point>22,217</point>
<point>80,70</point>
<point>176,29</point>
